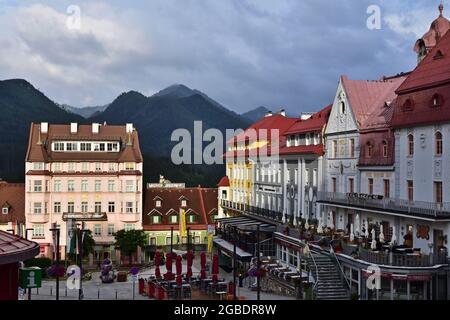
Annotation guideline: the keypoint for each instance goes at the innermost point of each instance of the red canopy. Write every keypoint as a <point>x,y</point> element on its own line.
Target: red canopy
<point>178,265</point>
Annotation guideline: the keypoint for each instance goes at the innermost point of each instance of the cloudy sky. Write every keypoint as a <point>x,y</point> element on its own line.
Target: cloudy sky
<point>243,53</point>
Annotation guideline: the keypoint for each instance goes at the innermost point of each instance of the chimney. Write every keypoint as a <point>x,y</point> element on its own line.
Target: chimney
<point>269,114</point>
<point>130,128</point>
<point>44,127</point>
<point>95,128</point>
<point>73,127</point>
<point>283,112</point>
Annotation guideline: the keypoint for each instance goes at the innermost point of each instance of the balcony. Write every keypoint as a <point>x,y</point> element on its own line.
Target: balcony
<point>38,217</point>
<point>422,209</point>
<point>271,215</point>
<point>85,216</point>
<point>130,217</point>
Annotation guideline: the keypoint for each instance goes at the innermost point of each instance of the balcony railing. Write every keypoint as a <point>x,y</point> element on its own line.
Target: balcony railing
<point>261,212</point>
<point>414,208</point>
<point>85,216</point>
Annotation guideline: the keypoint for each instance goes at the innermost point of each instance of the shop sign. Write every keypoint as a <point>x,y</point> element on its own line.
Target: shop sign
<point>364,196</point>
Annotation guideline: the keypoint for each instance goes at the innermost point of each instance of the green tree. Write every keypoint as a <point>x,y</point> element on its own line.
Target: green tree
<point>128,241</point>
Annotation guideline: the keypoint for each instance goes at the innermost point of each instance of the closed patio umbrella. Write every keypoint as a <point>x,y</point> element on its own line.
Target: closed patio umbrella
<point>179,270</point>
<point>331,224</point>
<point>381,236</point>
<point>202,265</point>
<point>366,227</point>
<point>189,258</point>
<point>357,225</point>
<point>168,275</point>
<point>157,263</point>
<point>394,237</point>
<point>352,236</point>
<point>215,267</point>
<point>373,246</point>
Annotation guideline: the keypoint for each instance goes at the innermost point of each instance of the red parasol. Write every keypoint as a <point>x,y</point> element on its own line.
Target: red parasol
<point>157,263</point>
<point>202,260</point>
<point>202,274</point>
<point>215,268</point>
<point>178,266</point>
<point>168,275</point>
<point>189,258</point>
<point>179,280</point>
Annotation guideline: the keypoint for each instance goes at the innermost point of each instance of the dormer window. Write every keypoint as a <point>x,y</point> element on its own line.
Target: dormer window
<point>342,107</point>
<point>437,100</point>
<point>408,105</point>
<point>158,204</point>
<point>369,148</point>
<point>5,210</point>
<point>173,219</point>
<point>385,149</point>
<point>184,203</point>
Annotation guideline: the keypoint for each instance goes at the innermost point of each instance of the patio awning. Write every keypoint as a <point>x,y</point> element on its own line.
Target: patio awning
<point>247,224</point>
<point>228,248</point>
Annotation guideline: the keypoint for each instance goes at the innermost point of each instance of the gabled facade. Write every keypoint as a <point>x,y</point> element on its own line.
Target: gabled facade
<point>83,173</point>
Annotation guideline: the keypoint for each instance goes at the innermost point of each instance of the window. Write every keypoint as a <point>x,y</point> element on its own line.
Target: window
<point>84,186</point>
<point>129,226</point>
<point>352,148</point>
<point>333,185</point>
<point>84,207</point>
<point>387,188</point>
<point>351,185</point>
<point>5,210</point>
<point>98,185</point>
<point>438,192</point>
<point>71,186</point>
<point>57,207</point>
<point>102,147</point>
<point>111,147</point>
<point>98,166</point>
<point>97,230</point>
<point>38,231</point>
<point>111,186</point>
<point>307,177</point>
<point>308,139</point>
<point>183,203</point>
<point>129,186</point>
<point>158,203</point>
<point>156,219</point>
<point>85,146</point>
<point>38,166</point>
<point>192,218</point>
<point>129,207</point>
<point>173,219</point>
<point>37,186</point>
<point>84,167</point>
<point>98,207</point>
<point>110,230</point>
<point>72,166</point>
<point>438,139</point>
<point>111,167</point>
<point>57,186</point>
<point>342,107</point>
<point>168,241</point>
<point>58,146</point>
<point>384,150</point>
<point>37,208</point>
<point>410,190</point>
<point>369,147</point>
<point>129,166</point>
<point>57,167</point>
<point>152,241</point>
<point>437,100</point>
<point>410,145</point>
<point>71,146</point>
<point>408,105</point>
<point>334,149</point>
<point>111,207</point>
<point>96,146</point>
<point>370,189</point>
<point>71,207</point>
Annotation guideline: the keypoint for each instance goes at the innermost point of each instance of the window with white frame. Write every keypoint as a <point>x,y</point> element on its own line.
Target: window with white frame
<point>58,146</point>
<point>57,186</point>
<point>129,207</point>
<point>37,208</point>
<point>97,230</point>
<point>112,167</point>
<point>38,166</point>
<point>71,166</point>
<point>98,207</point>
<point>85,146</point>
<point>98,185</point>
<point>184,203</point>
<point>129,226</point>
<point>57,207</point>
<point>57,167</point>
<point>71,186</point>
<point>37,185</point>
<point>129,185</point>
<point>84,207</point>
<point>84,166</point>
<point>111,207</point>
<point>38,231</point>
<point>71,207</point>
<point>129,166</point>
<point>156,219</point>
<point>98,166</point>
<point>110,230</point>
<point>111,185</point>
<point>84,186</point>
<point>5,210</point>
<point>158,203</point>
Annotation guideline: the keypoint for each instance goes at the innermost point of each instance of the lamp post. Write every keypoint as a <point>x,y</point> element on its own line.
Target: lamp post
<point>171,241</point>
<point>81,233</point>
<point>56,230</point>
<point>188,239</point>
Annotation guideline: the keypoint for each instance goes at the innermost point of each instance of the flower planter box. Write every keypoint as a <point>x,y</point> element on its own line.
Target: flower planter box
<point>122,276</point>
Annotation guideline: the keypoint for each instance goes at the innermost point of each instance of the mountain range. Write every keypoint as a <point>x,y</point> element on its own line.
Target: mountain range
<point>155,117</point>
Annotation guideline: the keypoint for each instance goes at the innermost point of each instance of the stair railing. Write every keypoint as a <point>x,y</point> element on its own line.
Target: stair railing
<point>317,273</point>
<point>340,268</point>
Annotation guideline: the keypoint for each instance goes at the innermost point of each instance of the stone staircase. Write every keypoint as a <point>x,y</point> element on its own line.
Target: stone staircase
<point>330,285</point>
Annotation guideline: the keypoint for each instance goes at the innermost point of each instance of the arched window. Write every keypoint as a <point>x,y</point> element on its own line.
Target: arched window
<point>342,105</point>
<point>408,105</point>
<point>438,142</point>
<point>384,146</point>
<point>410,145</point>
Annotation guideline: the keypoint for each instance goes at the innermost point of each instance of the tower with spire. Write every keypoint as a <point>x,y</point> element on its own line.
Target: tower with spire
<point>438,29</point>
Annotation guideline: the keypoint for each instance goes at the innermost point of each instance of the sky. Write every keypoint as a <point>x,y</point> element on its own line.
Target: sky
<point>243,53</point>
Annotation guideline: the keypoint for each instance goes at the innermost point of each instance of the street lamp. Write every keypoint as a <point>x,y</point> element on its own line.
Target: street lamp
<point>56,230</point>
<point>81,233</point>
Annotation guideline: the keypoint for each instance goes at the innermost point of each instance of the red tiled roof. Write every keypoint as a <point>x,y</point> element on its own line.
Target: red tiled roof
<point>313,124</point>
<point>39,143</point>
<point>224,182</point>
<point>200,201</point>
<point>376,138</point>
<point>430,71</point>
<point>368,98</point>
<point>430,78</point>
<point>14,248</point>
<point>13,196</point>
<point>311,149</point>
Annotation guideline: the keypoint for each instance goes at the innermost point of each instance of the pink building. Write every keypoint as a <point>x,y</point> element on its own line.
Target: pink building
<point>83,173</point>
